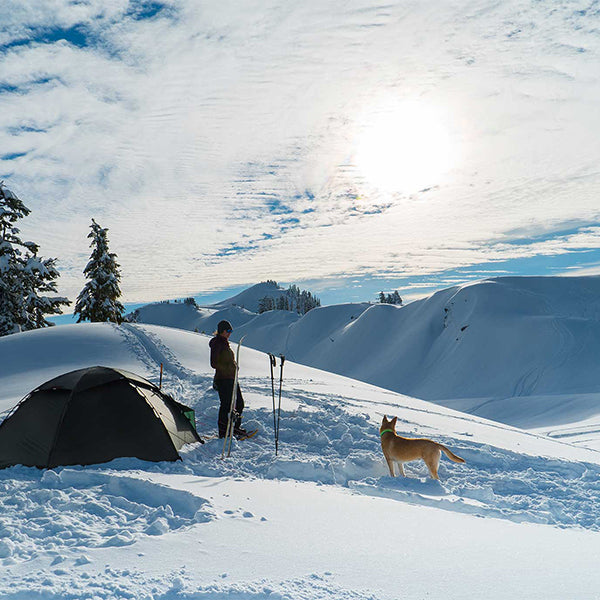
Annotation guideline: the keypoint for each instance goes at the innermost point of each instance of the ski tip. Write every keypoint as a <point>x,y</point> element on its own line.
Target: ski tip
<point>247,436</point>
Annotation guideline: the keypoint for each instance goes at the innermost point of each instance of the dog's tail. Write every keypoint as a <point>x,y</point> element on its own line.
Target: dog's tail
<point>451,455</point>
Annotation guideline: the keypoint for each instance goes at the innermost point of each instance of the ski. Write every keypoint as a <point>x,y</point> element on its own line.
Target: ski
<point>208,437</point>
<point>229,433</point>
<point>247,435</point>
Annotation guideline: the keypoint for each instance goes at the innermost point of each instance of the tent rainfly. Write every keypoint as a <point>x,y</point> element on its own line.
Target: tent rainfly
<point>92,416</point>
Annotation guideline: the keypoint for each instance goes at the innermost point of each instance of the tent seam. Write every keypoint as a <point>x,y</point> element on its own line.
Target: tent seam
<point>157,415</point>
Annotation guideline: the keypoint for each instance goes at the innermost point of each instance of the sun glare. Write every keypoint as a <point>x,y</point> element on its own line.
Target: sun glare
<point>404,148</point>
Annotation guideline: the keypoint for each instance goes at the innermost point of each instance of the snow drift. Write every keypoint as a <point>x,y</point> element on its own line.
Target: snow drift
<point>512,349</point>
<point>168,530</point>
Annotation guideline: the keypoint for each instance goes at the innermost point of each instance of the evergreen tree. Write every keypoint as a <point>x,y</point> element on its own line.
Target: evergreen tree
<point>294,299</point>
<point>99,300</point>
<point>283,303</point>
<point>265,304</point>
<point>23,274</point>
<point>393,298</point>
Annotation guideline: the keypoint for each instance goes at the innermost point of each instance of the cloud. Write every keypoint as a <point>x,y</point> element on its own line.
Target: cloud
<point>583,270</point>
<point>218,141</point>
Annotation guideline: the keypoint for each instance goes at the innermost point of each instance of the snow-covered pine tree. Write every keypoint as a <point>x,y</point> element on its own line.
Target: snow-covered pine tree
<point>393,298</point>
<point>265,304</point>
<point>294,299</point>
<point>282,303</point>
<point>23,274</point>
<point>99,300</point>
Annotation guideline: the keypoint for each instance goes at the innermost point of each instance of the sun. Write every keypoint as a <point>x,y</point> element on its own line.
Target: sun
<point>404,147</point>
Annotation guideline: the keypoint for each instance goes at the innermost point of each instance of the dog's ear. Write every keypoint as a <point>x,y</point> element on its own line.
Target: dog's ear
<point>393,421</point>
<point>385,419</point>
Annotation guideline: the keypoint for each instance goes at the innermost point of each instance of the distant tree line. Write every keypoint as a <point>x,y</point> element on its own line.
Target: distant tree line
<point>393,298</point>
<point>293,299</point>
<point>189,300</point>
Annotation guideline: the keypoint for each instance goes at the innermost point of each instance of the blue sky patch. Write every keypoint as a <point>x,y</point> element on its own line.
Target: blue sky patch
<point>544,237</point>
<point>24,129</point>
<point>357,288</point>
<point>147,10</point>
<point>76,36</point>
<point>12,155</point>
<point>6,88</point>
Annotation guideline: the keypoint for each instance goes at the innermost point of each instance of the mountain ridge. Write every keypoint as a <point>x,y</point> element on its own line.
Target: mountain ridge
<point>502,337</point>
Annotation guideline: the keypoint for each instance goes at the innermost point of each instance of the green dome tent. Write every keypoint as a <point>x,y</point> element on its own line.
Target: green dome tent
<point>92,416</point>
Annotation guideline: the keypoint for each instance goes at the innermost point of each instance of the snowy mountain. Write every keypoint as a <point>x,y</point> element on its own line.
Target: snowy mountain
<point>188,316</point>
<point>252,526</point>
<point>512,349</point>
<point>249,299</point>
<point>238,309</point>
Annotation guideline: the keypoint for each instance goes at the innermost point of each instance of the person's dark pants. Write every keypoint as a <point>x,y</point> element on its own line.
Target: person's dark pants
<point>225,389</point>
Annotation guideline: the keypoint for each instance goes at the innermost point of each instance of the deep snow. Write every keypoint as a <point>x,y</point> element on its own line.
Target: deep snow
<point>316,522</point>
<point>519,350</point>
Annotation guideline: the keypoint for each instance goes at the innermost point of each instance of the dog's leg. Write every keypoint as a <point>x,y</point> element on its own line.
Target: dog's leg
<point>390,463</point>
<point>401,469</point>
<point>433,462</point>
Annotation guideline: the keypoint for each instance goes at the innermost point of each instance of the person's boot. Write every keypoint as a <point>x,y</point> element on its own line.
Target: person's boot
<point>238,430</point>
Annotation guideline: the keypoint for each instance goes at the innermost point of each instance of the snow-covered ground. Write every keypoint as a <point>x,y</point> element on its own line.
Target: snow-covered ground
<point>519,350</point>
<point>321,520</point>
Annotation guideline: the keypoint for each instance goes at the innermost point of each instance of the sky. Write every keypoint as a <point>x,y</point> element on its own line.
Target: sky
<point>344,146</point>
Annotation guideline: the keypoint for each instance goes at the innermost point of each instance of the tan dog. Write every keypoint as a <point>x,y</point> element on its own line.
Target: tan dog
<point>399,450</point>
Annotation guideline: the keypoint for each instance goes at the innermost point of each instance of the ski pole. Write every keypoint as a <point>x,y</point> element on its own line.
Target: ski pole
<point>160,382</point>
<point>229,433</point>
<point>273,364</point>
<point>282,360</point>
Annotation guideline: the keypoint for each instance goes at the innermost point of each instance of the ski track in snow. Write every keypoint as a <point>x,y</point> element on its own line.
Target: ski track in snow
<point>65,512</point>
<point>152,352</point>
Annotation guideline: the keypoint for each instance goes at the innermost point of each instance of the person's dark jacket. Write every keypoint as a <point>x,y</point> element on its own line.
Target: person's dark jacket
<point>222,358</point>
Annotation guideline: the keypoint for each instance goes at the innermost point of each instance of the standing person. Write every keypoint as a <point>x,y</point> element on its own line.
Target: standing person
<point>223,361</point>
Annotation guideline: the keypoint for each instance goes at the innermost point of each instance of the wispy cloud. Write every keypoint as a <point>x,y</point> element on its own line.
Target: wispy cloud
<point>218,141</point>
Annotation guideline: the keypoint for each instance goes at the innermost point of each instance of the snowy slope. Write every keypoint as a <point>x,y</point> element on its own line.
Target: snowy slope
<point>522,351</point>
<point>522,336</point>
<point>189,317</point>
<point>252,527</point>
<point>239,309</point>
<point>250,298</point>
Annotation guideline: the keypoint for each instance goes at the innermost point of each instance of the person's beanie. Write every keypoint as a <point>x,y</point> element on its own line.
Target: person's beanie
<point>223,326</point>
